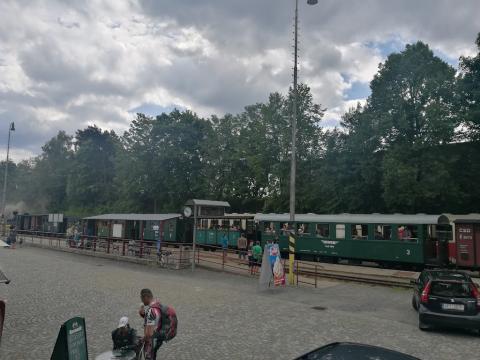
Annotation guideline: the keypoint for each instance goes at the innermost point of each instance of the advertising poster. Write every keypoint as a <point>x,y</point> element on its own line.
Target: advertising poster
<point>272,268</point>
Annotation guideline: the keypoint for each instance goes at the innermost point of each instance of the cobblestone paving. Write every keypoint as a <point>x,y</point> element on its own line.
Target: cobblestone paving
<point>221,316</point>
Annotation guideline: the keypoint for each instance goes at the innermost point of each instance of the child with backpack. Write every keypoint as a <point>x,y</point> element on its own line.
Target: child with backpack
<point>160,323</point>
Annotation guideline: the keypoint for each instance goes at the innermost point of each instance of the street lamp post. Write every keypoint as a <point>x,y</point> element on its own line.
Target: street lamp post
<point>293,168</point>
<point>4,194</point>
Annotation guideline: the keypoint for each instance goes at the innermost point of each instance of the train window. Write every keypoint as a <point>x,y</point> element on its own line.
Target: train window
<point>269,227</point>
<point>236,225</point>
<point>286,228</point>
<point>383,232</point>
<point>340,231</point>
<point>407,233</point>
<point>322,230</point>
<point>359,232</point>
<point>224,224</point>
<point>302,229</point>
<point>213,224</point>
<point>443,233</point>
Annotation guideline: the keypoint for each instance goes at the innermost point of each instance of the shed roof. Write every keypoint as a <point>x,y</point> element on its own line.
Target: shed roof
<point>134,217</point>
<point>208,203</point>
<point>358,218</point>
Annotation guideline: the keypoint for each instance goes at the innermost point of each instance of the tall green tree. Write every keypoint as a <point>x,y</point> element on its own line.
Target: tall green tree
<point>163,161</point>
<point>267,140</point>
<point>413,107</point>
<point>469,85</point>
<point>90,183</point>
<point>52,169</point>
<point>413,98</point>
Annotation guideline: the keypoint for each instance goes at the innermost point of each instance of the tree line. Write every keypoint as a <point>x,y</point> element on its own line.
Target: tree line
<point>413,147</point>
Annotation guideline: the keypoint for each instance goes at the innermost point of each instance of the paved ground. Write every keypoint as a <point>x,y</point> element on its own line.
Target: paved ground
<point>221,316</point>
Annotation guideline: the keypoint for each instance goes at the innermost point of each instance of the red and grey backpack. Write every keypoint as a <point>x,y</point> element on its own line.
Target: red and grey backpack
<point>167,326</point>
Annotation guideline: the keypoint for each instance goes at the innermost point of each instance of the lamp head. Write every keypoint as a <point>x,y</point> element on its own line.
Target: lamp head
<point>12,126</point>
<point>312,2</point>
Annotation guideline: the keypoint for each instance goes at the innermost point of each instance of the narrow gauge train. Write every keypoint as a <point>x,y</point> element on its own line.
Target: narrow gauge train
<point>410,240</point>
<point>387,239</point>
<point>51,224</point>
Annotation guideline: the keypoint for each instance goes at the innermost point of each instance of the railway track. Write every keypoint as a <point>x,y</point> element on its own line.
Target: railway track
<point>310,272</point>
<point>359,278</point>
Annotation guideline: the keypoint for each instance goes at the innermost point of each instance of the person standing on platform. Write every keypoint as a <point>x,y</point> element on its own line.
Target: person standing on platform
<point>12,237</point>
<point>250,257</point>
<point>242,247</point>
<point>224,243</point>
<point>257,256</point>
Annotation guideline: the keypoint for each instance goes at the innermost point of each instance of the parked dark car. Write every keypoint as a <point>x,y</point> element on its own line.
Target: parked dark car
<point>446,298</point>
<point>354,351</point>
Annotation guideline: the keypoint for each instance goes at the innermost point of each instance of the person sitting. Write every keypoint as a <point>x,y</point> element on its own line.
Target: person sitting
<point>301,229</point>
<point>124,337</point>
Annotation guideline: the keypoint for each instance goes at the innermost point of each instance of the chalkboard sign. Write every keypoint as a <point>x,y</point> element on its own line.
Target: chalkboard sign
<point>71,341</point>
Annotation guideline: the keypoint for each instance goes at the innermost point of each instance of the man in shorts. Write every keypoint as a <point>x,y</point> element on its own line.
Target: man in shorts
<point>257,256</point>
<point>151,315</point>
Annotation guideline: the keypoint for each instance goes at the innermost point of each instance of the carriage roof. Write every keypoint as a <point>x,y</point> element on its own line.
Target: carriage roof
<point>134,217</point>
<point>358,218</point>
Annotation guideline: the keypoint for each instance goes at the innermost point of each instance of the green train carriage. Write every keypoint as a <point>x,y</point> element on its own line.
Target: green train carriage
<point>414,240</point>
<point>210,229</point>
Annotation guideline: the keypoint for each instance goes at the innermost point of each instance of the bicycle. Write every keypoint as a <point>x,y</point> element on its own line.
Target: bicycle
<point>163,258</point>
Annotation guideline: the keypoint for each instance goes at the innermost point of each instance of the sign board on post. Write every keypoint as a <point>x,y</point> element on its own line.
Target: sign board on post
<point>71,341</point>
<point>156,232</point>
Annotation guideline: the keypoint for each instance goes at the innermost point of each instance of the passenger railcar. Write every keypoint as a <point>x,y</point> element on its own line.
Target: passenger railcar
<point>415,240</point>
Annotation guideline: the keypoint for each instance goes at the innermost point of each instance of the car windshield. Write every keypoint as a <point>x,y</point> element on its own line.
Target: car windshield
<point>451,289</point>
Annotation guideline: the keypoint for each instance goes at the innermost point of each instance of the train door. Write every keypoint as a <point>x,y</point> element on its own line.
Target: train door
<point>436,238</point>
<point>464,236</point>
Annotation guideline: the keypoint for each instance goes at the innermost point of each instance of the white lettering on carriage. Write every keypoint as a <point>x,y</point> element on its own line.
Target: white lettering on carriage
<point>329,244</point>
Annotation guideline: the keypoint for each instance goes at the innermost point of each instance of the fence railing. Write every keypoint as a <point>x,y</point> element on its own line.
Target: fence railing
<point>172,255</point>
<point>225,259</point>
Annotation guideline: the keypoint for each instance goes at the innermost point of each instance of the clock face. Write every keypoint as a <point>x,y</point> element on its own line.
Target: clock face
<point>187,211</point>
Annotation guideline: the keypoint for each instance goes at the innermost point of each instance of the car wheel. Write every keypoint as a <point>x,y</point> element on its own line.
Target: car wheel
<point>414,303</point>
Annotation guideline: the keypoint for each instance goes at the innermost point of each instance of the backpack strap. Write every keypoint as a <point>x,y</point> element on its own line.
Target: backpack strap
<point>163,320</point>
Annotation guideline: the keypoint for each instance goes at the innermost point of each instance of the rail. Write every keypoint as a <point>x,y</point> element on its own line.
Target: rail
<point>308,273</point>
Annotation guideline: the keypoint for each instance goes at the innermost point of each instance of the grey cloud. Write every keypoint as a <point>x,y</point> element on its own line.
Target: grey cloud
<point>242,32</point>
<point>68,24</point>
<point>268,22</point>
<point>58,80</point>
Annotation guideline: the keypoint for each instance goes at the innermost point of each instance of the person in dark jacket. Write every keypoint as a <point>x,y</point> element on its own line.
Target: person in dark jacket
<point>124,337</point>
<point>12,237</point>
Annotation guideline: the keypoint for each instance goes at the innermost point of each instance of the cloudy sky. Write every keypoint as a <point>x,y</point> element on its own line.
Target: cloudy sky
<point>67,64</point>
